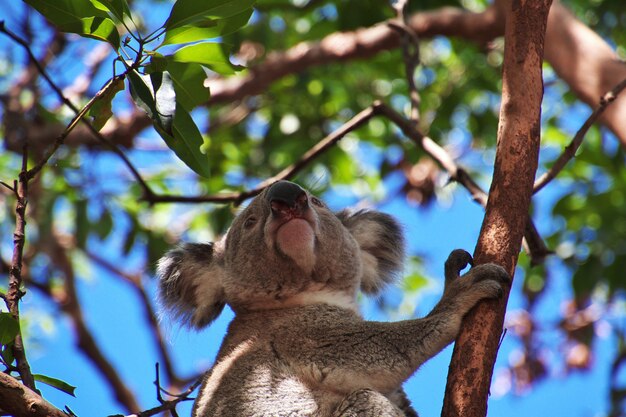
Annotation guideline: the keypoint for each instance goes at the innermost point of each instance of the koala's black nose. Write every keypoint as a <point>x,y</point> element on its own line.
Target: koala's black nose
<point>285,195</point>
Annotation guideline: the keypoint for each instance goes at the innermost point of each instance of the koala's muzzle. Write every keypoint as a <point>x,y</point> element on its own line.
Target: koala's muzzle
<point>287,200</point>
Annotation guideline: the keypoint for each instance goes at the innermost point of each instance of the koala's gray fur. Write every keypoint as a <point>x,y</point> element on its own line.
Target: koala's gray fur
<point>291,269</point>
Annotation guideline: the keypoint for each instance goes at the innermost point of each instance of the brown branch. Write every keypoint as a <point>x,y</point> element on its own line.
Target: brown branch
<point>360,44</point>
<point>79,114</point>
<point>570,151</point>
<point>536,247</point>
<point>58,252</point>
<point>506,217</point>
<point>410,54</point>
<point>14,292</point>
<point>18,400</point>
<point>587,63</point>
<point>237,198</point>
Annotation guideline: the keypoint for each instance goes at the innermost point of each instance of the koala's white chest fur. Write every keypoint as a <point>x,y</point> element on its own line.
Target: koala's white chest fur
<point>271,357</point>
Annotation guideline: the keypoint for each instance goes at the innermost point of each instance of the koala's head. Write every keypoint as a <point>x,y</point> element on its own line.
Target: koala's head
<point>286,248</point>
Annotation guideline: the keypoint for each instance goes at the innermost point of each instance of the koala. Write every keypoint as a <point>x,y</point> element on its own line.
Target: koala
<point>291,271</point>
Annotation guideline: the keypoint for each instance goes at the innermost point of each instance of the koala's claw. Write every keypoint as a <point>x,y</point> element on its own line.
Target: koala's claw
<point>456,262</point>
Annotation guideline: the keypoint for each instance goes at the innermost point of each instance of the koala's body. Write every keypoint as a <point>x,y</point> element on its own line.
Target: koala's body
<point>291,270</point>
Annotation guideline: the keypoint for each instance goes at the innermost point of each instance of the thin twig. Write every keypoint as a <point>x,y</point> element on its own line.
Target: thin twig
<point>14,293</point>
<point>536,247</point>
<point>79,116</point>
<point>410,53</point>
<point>570,150</point>
<point>238,197</point>
<point>80,113</point>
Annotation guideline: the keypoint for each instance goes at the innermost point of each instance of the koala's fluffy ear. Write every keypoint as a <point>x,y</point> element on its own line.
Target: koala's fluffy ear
<point>190,283</point>
<point>382,246</point>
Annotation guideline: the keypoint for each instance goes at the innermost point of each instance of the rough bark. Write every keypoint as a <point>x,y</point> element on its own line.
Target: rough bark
<point>474,355</point>
<point>20,401</point>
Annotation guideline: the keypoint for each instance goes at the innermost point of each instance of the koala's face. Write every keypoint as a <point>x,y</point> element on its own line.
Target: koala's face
<point>286,248</point>
<point>287,242</point>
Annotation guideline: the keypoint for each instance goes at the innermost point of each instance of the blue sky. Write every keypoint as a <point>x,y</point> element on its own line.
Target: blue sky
<point>118,324</point>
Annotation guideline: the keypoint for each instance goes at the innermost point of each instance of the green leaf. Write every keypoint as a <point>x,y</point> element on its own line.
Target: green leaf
<point>186,141</point>
<point>63,12</point>
<point>6,352</point>
<point>207,30</point>
<point>155,94</point>
<point>414,282</point>
<point>79,16</point>
<point>194,12</point>
<point>189,84</point>
<point>119,8</point>
<point>9,327</point>
<point>212,55</point>
<point>104,225</point>
<point>101,110</point>
<point>81,223</point>
<point>56,383</point>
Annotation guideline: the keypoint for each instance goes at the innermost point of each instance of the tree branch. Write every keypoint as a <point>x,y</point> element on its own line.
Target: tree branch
<point>19,400</point>
<point>360,44</point>
<point>570,150</point>
<point>505,221</point>
<point>85,340</point>
<point>14,292</point>
<point>587,63</point>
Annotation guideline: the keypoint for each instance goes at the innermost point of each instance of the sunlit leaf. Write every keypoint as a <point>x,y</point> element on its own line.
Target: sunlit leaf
<point>211,55</point>
<point>56,383</point>
<point>155,94</point>
<point>119,8</point>
<point>79,16</point>
<point>208,30</point>
<point>188,82</point>
<point>192,12</point>
<point>9,327</point>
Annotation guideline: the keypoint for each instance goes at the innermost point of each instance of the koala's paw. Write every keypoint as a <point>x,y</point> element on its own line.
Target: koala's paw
<point>492,277</point>
<point>456,262</point>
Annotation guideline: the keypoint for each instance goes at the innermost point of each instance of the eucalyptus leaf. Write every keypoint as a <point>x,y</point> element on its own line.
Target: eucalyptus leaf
<point>119,8</point>
<point>81,223</point>
<point>186,141</point>
<point>155,94</point>
<point>194,12</point>
<point>188,82</point>
<point>56,383</point>
<point>9,327</point>
<point>101,110</point>
<point>211,55</point>
<point>208,29</point>
<point>79,16</point>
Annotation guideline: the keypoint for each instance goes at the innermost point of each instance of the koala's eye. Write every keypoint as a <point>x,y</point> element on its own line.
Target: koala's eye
<point>317,202</point>
<point>249,222</point>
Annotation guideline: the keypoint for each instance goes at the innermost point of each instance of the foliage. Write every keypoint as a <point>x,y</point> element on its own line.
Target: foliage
<point>88,214</point>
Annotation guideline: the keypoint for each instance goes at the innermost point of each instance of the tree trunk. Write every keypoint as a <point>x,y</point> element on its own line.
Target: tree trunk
<point>517,151</point>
